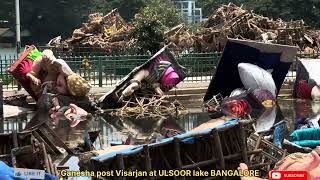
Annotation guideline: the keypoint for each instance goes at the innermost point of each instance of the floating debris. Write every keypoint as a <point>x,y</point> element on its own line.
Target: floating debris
<point>148,106</point>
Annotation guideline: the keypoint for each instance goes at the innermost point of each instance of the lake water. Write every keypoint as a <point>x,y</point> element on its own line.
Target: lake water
<point>116,129</point>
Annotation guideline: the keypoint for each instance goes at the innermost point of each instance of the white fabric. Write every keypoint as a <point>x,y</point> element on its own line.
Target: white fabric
<point>254,77</point>
<point>315,93</point>
<point>266,120</point>
<point>65,67</point>
<point>315,106</point>
<point>236,92</point>
<point>312,66</point>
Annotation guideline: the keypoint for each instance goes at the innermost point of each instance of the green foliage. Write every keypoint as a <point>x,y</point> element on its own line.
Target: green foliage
<point>6,80</point>
<point>151,23</point>
<point>162,11</point>
<point>149,36</point>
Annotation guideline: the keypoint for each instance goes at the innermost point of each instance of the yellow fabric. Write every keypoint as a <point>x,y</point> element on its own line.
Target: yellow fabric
<point>268,103</point>
<point>77,85</point>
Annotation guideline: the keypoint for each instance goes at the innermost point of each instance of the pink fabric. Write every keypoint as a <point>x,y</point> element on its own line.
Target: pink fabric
<point>170,78</point>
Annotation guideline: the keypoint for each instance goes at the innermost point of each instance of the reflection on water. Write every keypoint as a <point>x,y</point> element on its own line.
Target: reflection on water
<point>115,129</point>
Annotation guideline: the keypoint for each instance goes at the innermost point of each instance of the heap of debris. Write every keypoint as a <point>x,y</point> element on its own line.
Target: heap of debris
<point>148,106</point>
<point>112,34</point>
<point>109,32</point>
<point>231,21</point>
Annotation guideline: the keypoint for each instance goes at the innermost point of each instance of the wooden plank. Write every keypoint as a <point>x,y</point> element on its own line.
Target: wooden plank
<point>243,144</point>
<point>39,138</point>
<point>51,164</point>
<point>147,158</point>
<point>208,162</point>
<point>15,139</point>
<point>48,141</point>
<point>176,142</point>
<point>57,138</point>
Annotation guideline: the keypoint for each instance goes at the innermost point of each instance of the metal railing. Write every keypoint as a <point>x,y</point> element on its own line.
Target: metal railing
<point>105,70</point>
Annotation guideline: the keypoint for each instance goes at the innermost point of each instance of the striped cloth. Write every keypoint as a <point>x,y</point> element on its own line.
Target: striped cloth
<point>157,71</point>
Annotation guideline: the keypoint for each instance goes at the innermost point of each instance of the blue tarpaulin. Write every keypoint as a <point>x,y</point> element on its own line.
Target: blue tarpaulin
<point>187,138</point>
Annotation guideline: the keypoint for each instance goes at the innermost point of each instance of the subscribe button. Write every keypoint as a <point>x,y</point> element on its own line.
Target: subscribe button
<point>288,175</point>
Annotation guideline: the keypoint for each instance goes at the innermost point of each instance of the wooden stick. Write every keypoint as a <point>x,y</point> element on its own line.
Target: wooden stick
<point>15,139</point>
<point>218,148</point>
<point>58,139</point>
<point>229,157</point>
<point>45,157</point>
<point>120,164</point>
<point>244,145</point>
<point>41,140</point>
<point>147,158</point>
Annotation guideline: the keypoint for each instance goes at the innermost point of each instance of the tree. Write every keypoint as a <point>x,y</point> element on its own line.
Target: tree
<point>126,8</point>
<point>151,23</point>
<point>51,18</point>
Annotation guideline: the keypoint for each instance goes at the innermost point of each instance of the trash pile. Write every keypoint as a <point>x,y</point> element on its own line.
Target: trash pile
<point>231,21</point>
<point>109,32</point>
<point>247,126</point>
<point>252,92</point>
<point>112,33</point>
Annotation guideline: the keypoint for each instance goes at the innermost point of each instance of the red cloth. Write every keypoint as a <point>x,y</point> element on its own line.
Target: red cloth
<point>20,74</point>
<point>303,90</point>
<point>236,108</point>
<point>20,68</point>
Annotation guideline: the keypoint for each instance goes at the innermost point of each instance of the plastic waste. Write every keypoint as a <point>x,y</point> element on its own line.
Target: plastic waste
<point>170,78</point>
<point>236,92</point>
<point>266,120</point>
<point>279,131</point>
<point>308,137</point>
<point>315,93</point>
<point>254,77</point>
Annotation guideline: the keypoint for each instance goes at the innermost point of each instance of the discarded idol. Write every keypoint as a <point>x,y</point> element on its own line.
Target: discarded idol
<point>158,75</point>
<point>35,69</point>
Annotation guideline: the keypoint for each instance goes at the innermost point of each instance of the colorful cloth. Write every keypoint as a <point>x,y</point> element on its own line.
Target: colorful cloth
<point>157,70</point>
<point>34,54</point>
<point>236,108</point>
